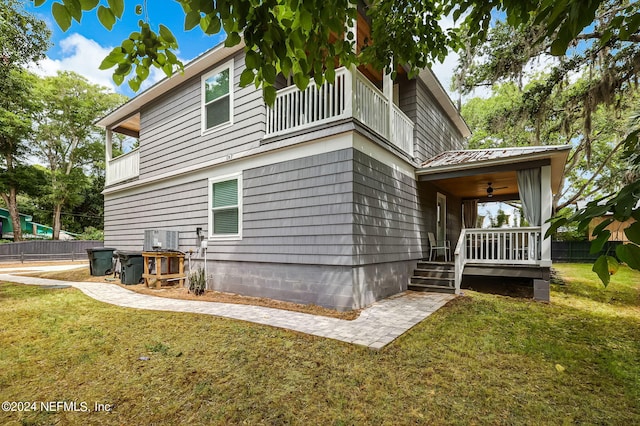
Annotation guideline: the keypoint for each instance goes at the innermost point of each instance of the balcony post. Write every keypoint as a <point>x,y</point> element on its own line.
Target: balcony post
<point>108,153</point>
<point>387,89</point>
<point>546,200</point>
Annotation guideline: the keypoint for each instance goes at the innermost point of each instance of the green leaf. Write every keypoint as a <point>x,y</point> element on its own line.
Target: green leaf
<point>306,20</point>
<point>89,4</point>
<point>232,39</point>
<point>167,35</point>
<point>106,17</point>
<point>210,24</point>
<point>598,243</point>
<point>601,267</point>
<point>61,15</point>
<point>633,232</point>
<point>191,20</point>
<point>269,73</point>
<point>74,9</point>
<point>252,60</point>
<point>269,94</point>
<point>134,84</point>
<point>301,80</point>
<point>38,3</point>
<point>117,7</point>
<point>128,45</point>
<point>168,69</point>
<point>629,254</point>
<point>246,77</point>
<point>118,78</point>
<point>142,72</point>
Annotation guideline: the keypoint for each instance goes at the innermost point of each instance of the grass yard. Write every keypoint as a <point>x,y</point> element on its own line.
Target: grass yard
<point>483,359</point>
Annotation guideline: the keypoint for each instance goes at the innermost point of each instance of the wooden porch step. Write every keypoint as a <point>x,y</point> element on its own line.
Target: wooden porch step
<point>444,282</point>
<point>439,266</point>
<point>434,273</point>
<point>432,288</point>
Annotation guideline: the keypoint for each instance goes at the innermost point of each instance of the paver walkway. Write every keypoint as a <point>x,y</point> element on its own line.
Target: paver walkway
<point>377,325</point>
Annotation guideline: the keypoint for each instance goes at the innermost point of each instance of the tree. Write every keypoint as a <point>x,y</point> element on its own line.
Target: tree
<point>66,139</point>
<point>580,98</point>
<point>23,39</point>
<point>496,122</point>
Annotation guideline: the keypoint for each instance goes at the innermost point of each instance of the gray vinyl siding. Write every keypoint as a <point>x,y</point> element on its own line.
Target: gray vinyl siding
<point>434,131</point>
<point>180,208</point>
<point>170,136</point>
<point>298,211</point>
<point>387,219</point>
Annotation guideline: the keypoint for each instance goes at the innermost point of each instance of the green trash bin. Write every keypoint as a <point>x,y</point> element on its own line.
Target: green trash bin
<point>100,260</point>
<point>131,266</point>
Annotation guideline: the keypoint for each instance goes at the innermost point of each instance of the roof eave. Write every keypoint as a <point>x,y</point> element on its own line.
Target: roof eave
<point>557,154</point>
<point>443,99</point>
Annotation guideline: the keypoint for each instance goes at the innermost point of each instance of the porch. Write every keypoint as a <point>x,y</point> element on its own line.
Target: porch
<point>531,175</point>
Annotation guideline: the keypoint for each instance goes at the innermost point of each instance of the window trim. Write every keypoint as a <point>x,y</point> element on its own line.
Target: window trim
<point>211,181</point>
<point>203,110</point>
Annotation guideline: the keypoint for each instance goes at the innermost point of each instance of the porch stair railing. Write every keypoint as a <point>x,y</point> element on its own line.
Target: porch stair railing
<point>497,246</point>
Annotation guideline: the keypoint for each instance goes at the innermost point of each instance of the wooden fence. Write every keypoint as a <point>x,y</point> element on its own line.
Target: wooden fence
<point>42,250</point>
<point>578,251</point>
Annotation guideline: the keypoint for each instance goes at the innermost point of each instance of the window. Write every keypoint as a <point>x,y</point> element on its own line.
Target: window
<point>217,98</point>
<point>225,207</point>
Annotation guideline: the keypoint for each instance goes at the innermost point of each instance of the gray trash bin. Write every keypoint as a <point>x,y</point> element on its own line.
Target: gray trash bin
<point>131,266</point>
<point>100,260</point>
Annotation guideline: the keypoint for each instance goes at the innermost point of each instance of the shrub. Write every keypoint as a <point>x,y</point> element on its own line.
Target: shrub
<point>197,282</point>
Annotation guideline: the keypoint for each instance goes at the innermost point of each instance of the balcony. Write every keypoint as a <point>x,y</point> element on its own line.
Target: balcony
<point>123,167</point>
<point>351,95</point>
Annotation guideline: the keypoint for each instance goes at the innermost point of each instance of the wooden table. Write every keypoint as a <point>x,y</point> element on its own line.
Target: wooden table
<point>169,258</point>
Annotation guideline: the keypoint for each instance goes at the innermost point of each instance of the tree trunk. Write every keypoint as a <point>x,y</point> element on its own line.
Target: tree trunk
<point>57,225</point>
<point>11,200</point>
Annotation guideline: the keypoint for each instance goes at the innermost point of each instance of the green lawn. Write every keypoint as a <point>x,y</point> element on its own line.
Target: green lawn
<point>483,359</point>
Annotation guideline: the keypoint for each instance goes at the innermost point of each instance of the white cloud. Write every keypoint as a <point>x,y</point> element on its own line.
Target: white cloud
<point>81,55</point>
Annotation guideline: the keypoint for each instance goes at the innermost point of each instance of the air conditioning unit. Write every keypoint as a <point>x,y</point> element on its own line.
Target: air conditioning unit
<point>157,239</point>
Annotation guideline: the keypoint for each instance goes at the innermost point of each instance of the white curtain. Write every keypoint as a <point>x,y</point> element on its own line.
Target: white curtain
<point>470,213</point>
<point>530,195</point>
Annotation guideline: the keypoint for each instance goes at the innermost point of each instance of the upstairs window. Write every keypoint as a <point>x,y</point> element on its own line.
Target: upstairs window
<point>217,98</point>
<point>225,203</point>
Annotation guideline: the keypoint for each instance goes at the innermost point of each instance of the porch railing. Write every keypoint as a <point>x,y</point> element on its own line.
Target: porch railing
<point>504,246</point>
<point>351,95</point>
<point>123,167</point>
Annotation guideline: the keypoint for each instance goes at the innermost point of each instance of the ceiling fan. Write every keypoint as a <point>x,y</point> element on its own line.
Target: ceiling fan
<point>490,189</point>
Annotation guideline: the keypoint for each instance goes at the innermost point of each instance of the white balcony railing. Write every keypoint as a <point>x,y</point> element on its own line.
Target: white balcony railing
<point>351,95</point>
<point>123,167</point>
<point>296,110</point>
<point>402,131</point>
<point>370,106</point>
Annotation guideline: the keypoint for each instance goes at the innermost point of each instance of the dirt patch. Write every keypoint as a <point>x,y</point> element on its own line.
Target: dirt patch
<point>174,292</point>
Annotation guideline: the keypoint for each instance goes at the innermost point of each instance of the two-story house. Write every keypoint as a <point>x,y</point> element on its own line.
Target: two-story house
<point>322,198</point>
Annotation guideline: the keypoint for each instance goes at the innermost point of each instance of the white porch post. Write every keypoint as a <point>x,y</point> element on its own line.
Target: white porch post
<point>546,200</point>
<point>108,154</point>
<point>387,89</point>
